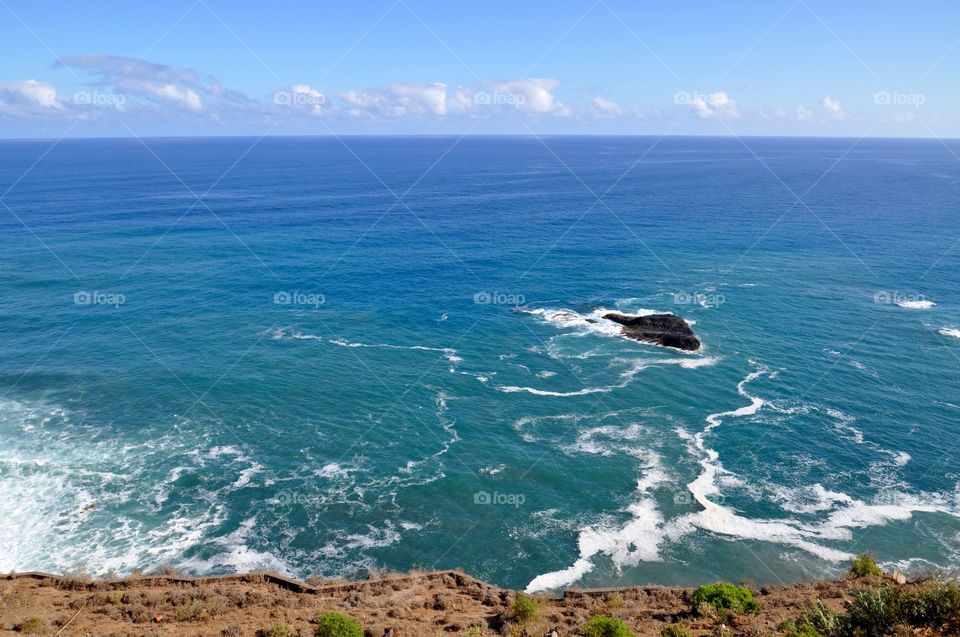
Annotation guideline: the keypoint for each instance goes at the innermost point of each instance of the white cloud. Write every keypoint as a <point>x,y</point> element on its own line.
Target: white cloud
<point>177,94</point>
<point>715,105</point>
<point>158,85</point>
<point>301,97</point>
<point>527,95</point>
<point>532,95</point>
<point>605,108</point>
<point>832,106</point>
<point>29,97</point>
<point>398,100</point>
<point>804,114</point>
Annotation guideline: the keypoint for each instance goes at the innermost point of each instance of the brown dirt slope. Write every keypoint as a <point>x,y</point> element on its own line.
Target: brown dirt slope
<point>437,603</point>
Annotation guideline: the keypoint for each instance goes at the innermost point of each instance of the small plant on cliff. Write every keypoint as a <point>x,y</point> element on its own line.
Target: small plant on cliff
<point>723,596</point>
<point>277,630</point>
<point>190,611</point>
<point>886,610</point>
<point>864,564</point>
<point>336,625</point>
<point>675,630</point>
<point>31,626</point>
<point>822,619</point>
<point>524,609</point>
<point>804,630</point>
<point>604,626</point>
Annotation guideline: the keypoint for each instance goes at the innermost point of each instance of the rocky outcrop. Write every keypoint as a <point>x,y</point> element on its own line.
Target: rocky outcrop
<point>662,329</point>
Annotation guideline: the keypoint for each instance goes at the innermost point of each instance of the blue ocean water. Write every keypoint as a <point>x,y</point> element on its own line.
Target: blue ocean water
<point>323,356</point>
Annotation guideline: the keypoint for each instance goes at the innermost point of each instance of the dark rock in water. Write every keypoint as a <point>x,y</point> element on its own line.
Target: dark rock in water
<point>663,329</point>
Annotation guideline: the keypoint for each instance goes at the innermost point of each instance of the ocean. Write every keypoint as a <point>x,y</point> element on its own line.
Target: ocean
<point>325,356</point>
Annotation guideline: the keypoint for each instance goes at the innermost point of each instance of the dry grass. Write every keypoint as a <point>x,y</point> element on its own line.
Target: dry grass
<point>389,605</point>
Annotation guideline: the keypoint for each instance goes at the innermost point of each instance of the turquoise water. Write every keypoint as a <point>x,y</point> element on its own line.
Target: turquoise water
<point>320,357</point>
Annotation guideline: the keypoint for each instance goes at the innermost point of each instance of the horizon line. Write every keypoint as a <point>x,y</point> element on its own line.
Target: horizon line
<point>471,135</point>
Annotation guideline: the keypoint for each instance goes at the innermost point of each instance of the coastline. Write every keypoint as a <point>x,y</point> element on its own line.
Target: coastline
<point>418,603</point>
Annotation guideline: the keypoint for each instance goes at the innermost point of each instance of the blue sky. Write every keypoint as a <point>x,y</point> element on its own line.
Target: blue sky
<point>211,67</point>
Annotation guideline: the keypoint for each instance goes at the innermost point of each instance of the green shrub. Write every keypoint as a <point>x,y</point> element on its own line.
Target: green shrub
<point>603,626</point>
<point>874,612</point>
<point>885,610</point>
<point>336,625</point>
<point>864,564</point>
<point>877,611</point>
<point>32,626</point>
<point>940,608</point>
<point>675,630</point>
<point>823,620</point>
<point>723,596</point>
<point>193,609</point>
<point>524,609</point>
<point>277,630</point>
<point>804,630</point>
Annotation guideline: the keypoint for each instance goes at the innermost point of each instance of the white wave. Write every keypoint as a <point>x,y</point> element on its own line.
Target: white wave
<point>840,513</point>
<point>634,367</point>
<point>628,545</point>
<point>916,305</point>
<point>331,470</point>
<point>225,450</point>
<point>512,389</point>
<point>893,506</point>
<point>288,333</point>
<point>950,331</point>
<point>848,512</point>
<point>234,554</point>
<point>607,440</point>
<point>523,425</point>
<point>431,468</point>
<point>448,352</point>
<point>724,520</point>
<point>376,538</point>
<point>807,499</point>
<point>246,476</point>
<point>483,378</point>
<point>592,323</point>
<point>714,420</point>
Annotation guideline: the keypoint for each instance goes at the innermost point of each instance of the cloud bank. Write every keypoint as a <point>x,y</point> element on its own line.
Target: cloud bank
<point>114,91</point>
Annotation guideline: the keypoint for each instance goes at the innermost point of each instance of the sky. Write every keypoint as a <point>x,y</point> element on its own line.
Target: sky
<point>851,68</point>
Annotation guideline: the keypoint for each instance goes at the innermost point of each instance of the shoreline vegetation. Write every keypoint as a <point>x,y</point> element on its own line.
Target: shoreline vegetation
<point>867,603</point>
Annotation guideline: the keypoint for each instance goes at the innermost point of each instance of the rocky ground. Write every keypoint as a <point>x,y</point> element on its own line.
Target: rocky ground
<point>439,603</point>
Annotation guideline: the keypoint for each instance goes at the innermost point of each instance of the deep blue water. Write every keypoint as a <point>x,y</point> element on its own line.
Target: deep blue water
<point>279,355</point>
